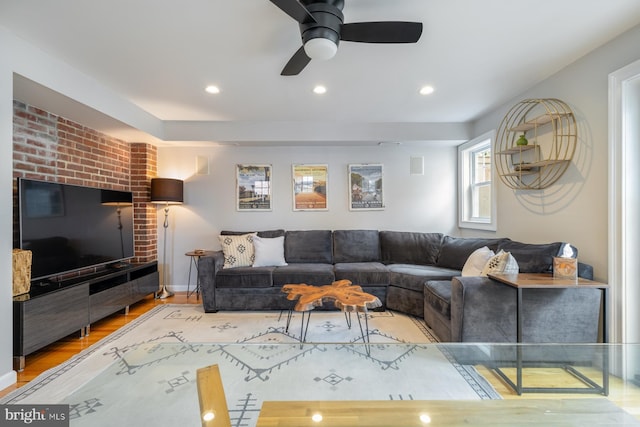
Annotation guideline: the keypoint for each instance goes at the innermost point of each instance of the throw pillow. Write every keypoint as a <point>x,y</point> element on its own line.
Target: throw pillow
<point>268,251</point>
<point>502,262</point>
<point>238,250</point>
<point>476,261</point>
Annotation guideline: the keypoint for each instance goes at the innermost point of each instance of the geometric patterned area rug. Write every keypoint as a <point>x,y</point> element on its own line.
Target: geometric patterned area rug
<point>145,372</point>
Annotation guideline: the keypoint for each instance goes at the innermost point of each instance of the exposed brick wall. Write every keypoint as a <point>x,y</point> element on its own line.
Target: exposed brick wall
<point>52,148</point>
<point>34,143</point>
<point>143,168</point>
<point>87,157</point>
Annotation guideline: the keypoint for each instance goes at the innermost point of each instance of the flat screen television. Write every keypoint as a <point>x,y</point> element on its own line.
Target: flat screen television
<point>69,228</point>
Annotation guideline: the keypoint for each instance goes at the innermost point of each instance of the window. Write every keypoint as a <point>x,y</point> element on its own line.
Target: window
<point>476,195</point>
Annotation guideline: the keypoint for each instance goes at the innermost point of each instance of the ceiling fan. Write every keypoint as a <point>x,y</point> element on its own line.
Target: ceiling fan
<point>322,28</point>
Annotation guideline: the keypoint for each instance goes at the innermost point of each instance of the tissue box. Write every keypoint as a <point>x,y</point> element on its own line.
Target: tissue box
<point>21,272</point>
<point>565,268</point>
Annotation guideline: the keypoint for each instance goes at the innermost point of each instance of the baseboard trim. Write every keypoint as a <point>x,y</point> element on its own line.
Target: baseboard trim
<point>8,379</point>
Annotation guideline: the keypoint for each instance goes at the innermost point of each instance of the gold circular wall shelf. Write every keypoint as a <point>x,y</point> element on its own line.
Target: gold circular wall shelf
<point>550,128</point>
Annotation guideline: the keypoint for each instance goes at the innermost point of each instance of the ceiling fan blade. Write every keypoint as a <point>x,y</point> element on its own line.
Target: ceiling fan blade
<point>295,9</point>
<point>381,32</point>
<point>298,61</point>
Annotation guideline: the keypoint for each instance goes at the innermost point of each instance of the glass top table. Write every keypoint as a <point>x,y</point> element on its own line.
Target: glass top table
<point>276,384</point>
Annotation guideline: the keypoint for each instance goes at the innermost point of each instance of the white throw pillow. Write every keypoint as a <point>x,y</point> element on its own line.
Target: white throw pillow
<point>268,251</point>
<point>476,261</point>
<point>502,262</point>
<point>238,250</point>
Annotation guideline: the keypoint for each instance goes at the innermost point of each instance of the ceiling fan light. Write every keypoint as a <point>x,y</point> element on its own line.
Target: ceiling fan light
<point>320,49</point>
<point>426,90</point>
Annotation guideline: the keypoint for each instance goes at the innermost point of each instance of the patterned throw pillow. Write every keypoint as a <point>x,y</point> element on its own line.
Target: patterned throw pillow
<point>502,262</point>
<point>238,250</point>
<point>476,261</point>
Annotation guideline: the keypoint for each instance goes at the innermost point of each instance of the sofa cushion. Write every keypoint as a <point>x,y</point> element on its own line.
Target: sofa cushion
<point>437,293</point>
<point>414,277</point>
<point>311,246</point>
<point>245,277</point>
<point>456,250</point>
<point>356,246</point>
<point>268,251</point>
<point>362,273</point>
<point>265,233</point>
<point>532,258</point>
<point>403,247</point>
<point>238,250</point>
<point>309,273</point>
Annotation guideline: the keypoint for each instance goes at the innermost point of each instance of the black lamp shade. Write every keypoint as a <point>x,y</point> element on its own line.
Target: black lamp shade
<point>115,198</point>
<point>167,191</point>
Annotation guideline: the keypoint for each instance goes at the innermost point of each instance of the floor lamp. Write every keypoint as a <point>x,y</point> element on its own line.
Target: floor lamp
<point>166,191</point>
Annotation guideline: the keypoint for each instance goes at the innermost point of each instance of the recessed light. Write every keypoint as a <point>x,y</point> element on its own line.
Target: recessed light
<point>212,89</point>
<point>426,90</point>
<point>319,89</point>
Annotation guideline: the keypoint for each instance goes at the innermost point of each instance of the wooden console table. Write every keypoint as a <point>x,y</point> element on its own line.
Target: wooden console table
<point>51,312</point>
<point>547,281</point>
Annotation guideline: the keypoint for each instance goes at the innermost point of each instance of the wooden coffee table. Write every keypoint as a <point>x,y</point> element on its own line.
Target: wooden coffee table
<point>345,296</point>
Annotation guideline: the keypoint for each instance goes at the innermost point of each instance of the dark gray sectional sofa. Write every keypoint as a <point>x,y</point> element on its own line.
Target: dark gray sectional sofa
<point>415,273</point>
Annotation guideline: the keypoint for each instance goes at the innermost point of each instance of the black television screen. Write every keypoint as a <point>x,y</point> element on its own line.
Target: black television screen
<point>70,227</point>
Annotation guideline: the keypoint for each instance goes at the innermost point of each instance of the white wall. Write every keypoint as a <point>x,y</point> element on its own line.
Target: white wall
<point>7,375</point>
<point>575,208</point>
<point>413,202</point>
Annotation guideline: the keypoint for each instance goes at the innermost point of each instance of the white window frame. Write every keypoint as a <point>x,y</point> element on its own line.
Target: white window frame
<point>465,182</point>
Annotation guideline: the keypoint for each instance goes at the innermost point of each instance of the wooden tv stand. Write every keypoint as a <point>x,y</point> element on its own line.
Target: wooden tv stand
<point>49,313</point>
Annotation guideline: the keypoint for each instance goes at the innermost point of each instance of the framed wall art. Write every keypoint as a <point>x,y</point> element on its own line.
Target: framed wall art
<point>253,187</point>
<point>365,187</point>
<point>310,187</point>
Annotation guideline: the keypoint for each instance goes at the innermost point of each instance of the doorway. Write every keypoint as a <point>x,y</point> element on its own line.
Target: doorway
<point>624,210</point>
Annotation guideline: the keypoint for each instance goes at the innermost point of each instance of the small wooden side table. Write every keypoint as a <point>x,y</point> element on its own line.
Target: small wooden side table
<point>195,257</point>
<point>547,281</point>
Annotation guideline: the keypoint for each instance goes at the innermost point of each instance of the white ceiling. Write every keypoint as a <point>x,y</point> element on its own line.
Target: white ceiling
<point>160,55</point>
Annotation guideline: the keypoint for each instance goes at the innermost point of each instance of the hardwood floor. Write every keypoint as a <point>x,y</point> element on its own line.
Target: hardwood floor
<point>64,349</point>
<point>627,397</point>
